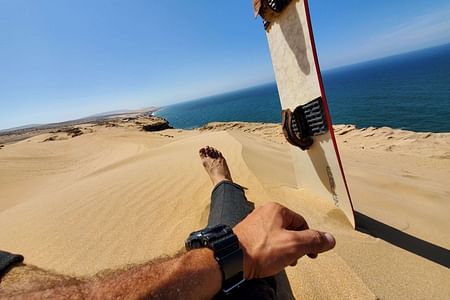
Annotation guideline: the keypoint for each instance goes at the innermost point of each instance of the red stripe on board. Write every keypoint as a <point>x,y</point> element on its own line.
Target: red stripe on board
<point>322,91</point>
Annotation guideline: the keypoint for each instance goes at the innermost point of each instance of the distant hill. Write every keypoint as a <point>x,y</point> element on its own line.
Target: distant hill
<point>125,111</point>
<point>20,127</point>
<point>92,118</point>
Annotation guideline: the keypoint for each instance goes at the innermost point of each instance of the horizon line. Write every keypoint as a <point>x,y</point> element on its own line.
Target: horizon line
<point>382,57</point>
<point>334,68</point>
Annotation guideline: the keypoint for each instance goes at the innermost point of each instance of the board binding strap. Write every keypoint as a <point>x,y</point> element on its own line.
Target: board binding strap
<point>269,9</point>
<point>307,121</point>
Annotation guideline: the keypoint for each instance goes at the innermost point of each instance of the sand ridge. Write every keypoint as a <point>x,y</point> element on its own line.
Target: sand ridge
<point>116,195</point>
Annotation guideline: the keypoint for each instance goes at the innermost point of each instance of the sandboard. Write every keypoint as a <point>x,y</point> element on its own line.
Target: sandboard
<point>306,118</point>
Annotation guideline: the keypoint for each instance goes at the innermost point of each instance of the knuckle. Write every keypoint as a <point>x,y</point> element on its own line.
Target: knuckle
<point>273,206</point>
<point>284,212</point>
<point>316,238</point>
<point>292,252</point>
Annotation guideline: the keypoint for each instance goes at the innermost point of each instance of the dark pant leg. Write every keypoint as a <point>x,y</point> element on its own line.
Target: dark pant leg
<point>229,206</point>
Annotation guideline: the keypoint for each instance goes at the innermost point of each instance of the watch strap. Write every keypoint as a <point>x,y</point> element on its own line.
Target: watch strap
<point>227,252</point>
<point>230,257</point>
<point>231,267</point>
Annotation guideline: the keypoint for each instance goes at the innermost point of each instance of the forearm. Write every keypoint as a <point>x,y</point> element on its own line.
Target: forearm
<point>192,275</point>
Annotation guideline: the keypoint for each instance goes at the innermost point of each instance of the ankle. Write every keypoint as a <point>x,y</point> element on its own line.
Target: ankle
<point>217,181</point>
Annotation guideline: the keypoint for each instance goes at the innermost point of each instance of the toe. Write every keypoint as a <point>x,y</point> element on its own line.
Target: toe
<point>209,151</point>
<point>215,153</point>
<point>202,152</point>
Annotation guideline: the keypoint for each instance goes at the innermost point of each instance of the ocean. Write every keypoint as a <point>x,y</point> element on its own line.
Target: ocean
<point>409,91</point>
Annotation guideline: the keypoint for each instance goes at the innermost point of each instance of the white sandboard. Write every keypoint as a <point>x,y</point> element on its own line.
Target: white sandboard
<point>289,33</point>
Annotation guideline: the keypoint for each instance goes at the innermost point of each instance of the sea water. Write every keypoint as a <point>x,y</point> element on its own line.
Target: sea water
<point>408,91</point>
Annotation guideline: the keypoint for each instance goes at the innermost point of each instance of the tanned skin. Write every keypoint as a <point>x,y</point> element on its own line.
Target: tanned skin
<point>174,278</point>
<point>272,237</point>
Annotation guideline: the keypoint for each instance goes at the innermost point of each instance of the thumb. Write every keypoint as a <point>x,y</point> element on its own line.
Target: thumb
<point>313,241</point>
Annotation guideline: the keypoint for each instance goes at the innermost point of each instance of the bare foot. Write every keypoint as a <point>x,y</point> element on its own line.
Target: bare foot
<point>215,164</point>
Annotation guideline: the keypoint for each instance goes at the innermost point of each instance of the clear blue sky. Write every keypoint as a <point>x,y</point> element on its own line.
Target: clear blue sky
<point>61,60</point>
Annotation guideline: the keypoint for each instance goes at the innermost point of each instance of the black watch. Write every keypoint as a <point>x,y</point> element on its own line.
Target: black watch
<point>227,252</point>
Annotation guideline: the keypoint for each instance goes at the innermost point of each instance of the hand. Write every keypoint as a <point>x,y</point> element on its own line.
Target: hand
<point>273,237</point>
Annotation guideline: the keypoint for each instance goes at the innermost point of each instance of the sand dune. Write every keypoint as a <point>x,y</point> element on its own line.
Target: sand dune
<point>114,195</point>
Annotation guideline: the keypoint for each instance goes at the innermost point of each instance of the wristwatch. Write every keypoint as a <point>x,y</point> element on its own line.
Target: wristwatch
<point>227,252</point>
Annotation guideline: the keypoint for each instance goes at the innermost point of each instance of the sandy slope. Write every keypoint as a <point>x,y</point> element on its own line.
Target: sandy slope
<point>115,196</point>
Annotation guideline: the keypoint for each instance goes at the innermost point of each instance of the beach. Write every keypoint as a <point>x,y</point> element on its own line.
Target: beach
<point>114,195</point>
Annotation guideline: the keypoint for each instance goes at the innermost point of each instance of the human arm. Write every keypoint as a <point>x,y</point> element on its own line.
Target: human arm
<point>272,237</point>
<point>190,275</point>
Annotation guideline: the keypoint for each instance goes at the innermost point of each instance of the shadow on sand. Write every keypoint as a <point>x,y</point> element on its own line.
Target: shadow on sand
<point>403,240</point>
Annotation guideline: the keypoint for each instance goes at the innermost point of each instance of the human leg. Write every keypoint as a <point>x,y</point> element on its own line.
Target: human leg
<point>229,206</point>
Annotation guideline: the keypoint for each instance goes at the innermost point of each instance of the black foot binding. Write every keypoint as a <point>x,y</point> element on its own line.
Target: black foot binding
<point>269,10</point>
<point>278,5</point>
<point>306,121</point>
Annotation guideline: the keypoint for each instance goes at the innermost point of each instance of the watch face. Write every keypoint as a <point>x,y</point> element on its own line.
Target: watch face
<point>195,244</point>
<point>206,237</point>
<point>194,240</point>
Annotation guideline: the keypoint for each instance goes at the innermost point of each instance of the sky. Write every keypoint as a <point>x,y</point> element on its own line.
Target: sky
<point>61,60</point>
